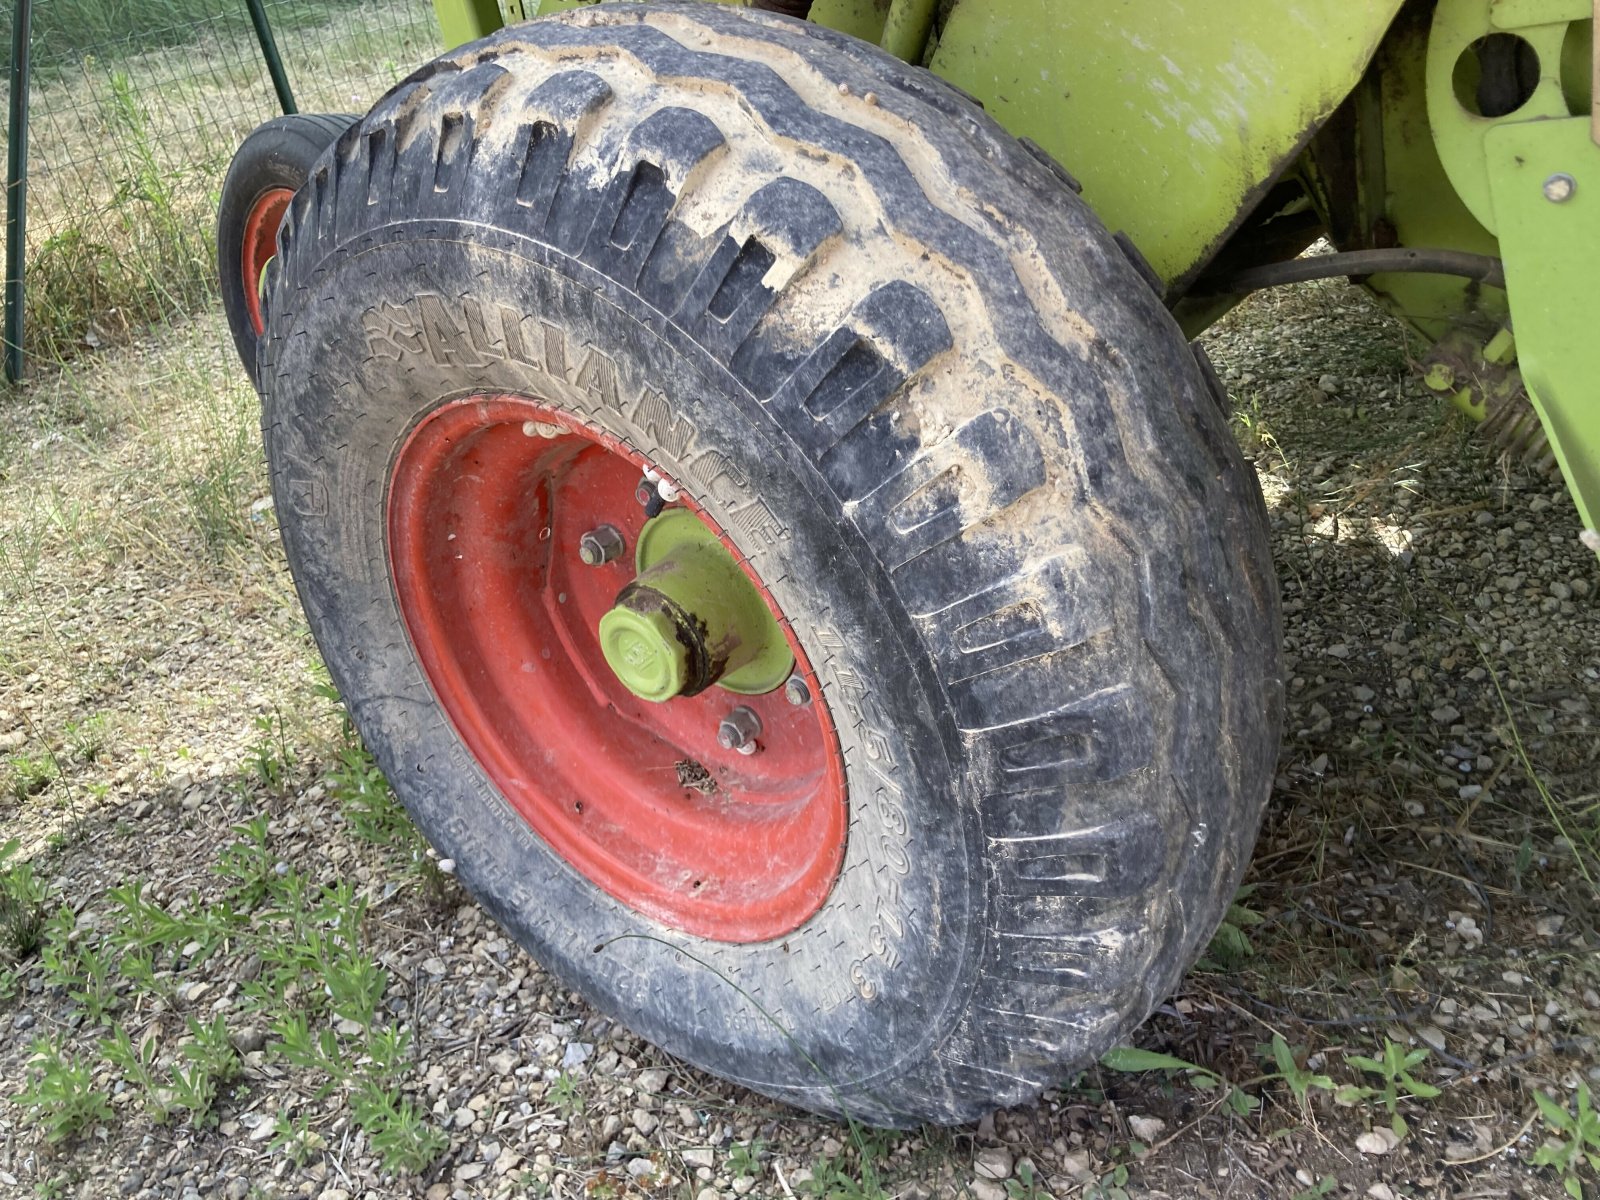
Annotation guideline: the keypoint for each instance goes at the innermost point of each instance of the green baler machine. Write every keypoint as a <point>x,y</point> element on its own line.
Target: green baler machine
<point>749,473</point>
<point>1222,138</point>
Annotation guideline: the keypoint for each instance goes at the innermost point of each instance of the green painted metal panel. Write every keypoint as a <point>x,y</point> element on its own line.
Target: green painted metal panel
<point>1459,132</point>
<point>1175,114</point>
<point>1552,257</point>
<point>463,21</point>
<point>1514,14</point>
<point>1417,200</point>
<point>864,19</point>
<point>905,32</point>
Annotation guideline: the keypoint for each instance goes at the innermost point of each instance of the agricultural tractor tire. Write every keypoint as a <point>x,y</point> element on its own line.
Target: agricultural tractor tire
<point>269,167</point>
<point>779,548</point>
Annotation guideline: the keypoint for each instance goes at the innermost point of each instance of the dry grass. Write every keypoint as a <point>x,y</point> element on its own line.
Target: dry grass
<point>127,157</point>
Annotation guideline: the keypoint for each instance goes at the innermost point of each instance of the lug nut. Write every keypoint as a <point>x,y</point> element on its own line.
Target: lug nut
<point>600,545</point>
<point>796,692</point>
<point>739,730</point>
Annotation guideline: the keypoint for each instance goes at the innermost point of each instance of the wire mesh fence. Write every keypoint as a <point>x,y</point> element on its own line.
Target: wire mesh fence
<point>136,109</point>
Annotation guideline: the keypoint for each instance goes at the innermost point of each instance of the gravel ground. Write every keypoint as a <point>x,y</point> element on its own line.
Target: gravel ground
<point>1426,874</point>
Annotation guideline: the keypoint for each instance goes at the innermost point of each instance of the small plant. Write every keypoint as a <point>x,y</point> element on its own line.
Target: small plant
<point>295,1137</point>
<point>564,1097</point>
<point>60,1097</point>
<point>744,1161</point>
<point>368,804</point>
<point>1230,947</point>
<point>22,907</point>
<point>86,738</point>
<point>1026,1185</point>
<point>249,864</point>
<point>1574,1138</point>
<point>396,1129</point>
<point>1130,1059</point>
<point>831,1181</point>
<point>84,971</point>
<point>1395,1068</point>
<point>1113,1185</point>
<point>137,1066</point>
<point>1299,1080</point>
<point>272,758</point>
<point>29,774</point>
<point>1317,1190</point>
<point>138,967</point>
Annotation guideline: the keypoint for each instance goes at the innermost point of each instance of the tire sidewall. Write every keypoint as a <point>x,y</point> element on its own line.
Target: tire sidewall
<point>417,317</point>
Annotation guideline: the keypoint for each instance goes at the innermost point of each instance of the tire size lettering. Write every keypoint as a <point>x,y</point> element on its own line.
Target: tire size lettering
<point>486,334</point>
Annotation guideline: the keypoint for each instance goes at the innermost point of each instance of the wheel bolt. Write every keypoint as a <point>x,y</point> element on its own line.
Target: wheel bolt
<point>648,497</point>
<point>739,730</point>
<point>600,545</point>
<point>796,692</point>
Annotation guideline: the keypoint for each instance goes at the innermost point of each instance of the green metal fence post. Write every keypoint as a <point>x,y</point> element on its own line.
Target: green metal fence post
<point>269,51</point>
<point>17,187</point>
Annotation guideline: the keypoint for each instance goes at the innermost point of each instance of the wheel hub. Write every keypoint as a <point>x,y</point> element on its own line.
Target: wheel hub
<point>691,618</point>
<point>596,687</point>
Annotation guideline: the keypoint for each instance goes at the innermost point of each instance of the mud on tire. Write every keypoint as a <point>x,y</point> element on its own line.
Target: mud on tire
<point>920,386</point>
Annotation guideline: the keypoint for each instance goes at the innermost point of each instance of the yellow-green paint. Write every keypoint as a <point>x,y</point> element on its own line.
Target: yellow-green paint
<point>1552,257</point>
<point>1459,133</point>
<point>906,30</point>
<point>864,19</point>
<point>688,579</point>
<point>463,21</point>
<point>1172,113</point>
<point>1414,196</point>
<point>1517,14</point>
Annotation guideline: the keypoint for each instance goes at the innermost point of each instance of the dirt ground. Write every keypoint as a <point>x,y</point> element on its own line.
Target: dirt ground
<point>1425,879</point>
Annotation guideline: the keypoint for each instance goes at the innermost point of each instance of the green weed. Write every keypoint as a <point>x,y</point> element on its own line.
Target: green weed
<point>249,864</point>
<point>137,1066</point>
<point>744,1161</point>
<point>1299,1080</point>
<point>1230,947</point>
<point>1394,1068</point>
<point>22,905</point>
<point>564,1096</point>
<point>212,1064</point>
<point>396,1128</point>
<point>1132,1060</point>
<point>87,738</point>
<point>79,967</point>
<point>367,802</point>
<point>272,758</point>
<point>1317,1190</point>
<point>60,1097</point>
<point>369,1070</point>
<point>1026,1185</point>
<point>29,774</point>
<point>1573,1138</point>
<point>296,1139</point>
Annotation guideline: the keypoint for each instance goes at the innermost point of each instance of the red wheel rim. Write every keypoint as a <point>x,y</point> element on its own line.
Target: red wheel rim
<point>260,244</point>
<point>488,501</point>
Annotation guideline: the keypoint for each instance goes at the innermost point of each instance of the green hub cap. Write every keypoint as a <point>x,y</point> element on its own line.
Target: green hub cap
<point>691,618</point>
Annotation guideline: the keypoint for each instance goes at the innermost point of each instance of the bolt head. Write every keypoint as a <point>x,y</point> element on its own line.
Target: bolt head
<point>600,545</point>
<point>1560,188</point>
<point>796,692</point>
<point>739,730</point>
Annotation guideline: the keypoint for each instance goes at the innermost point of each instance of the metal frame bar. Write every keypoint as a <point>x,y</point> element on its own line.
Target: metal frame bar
<point>269,52</point>
<point>17,186</point>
